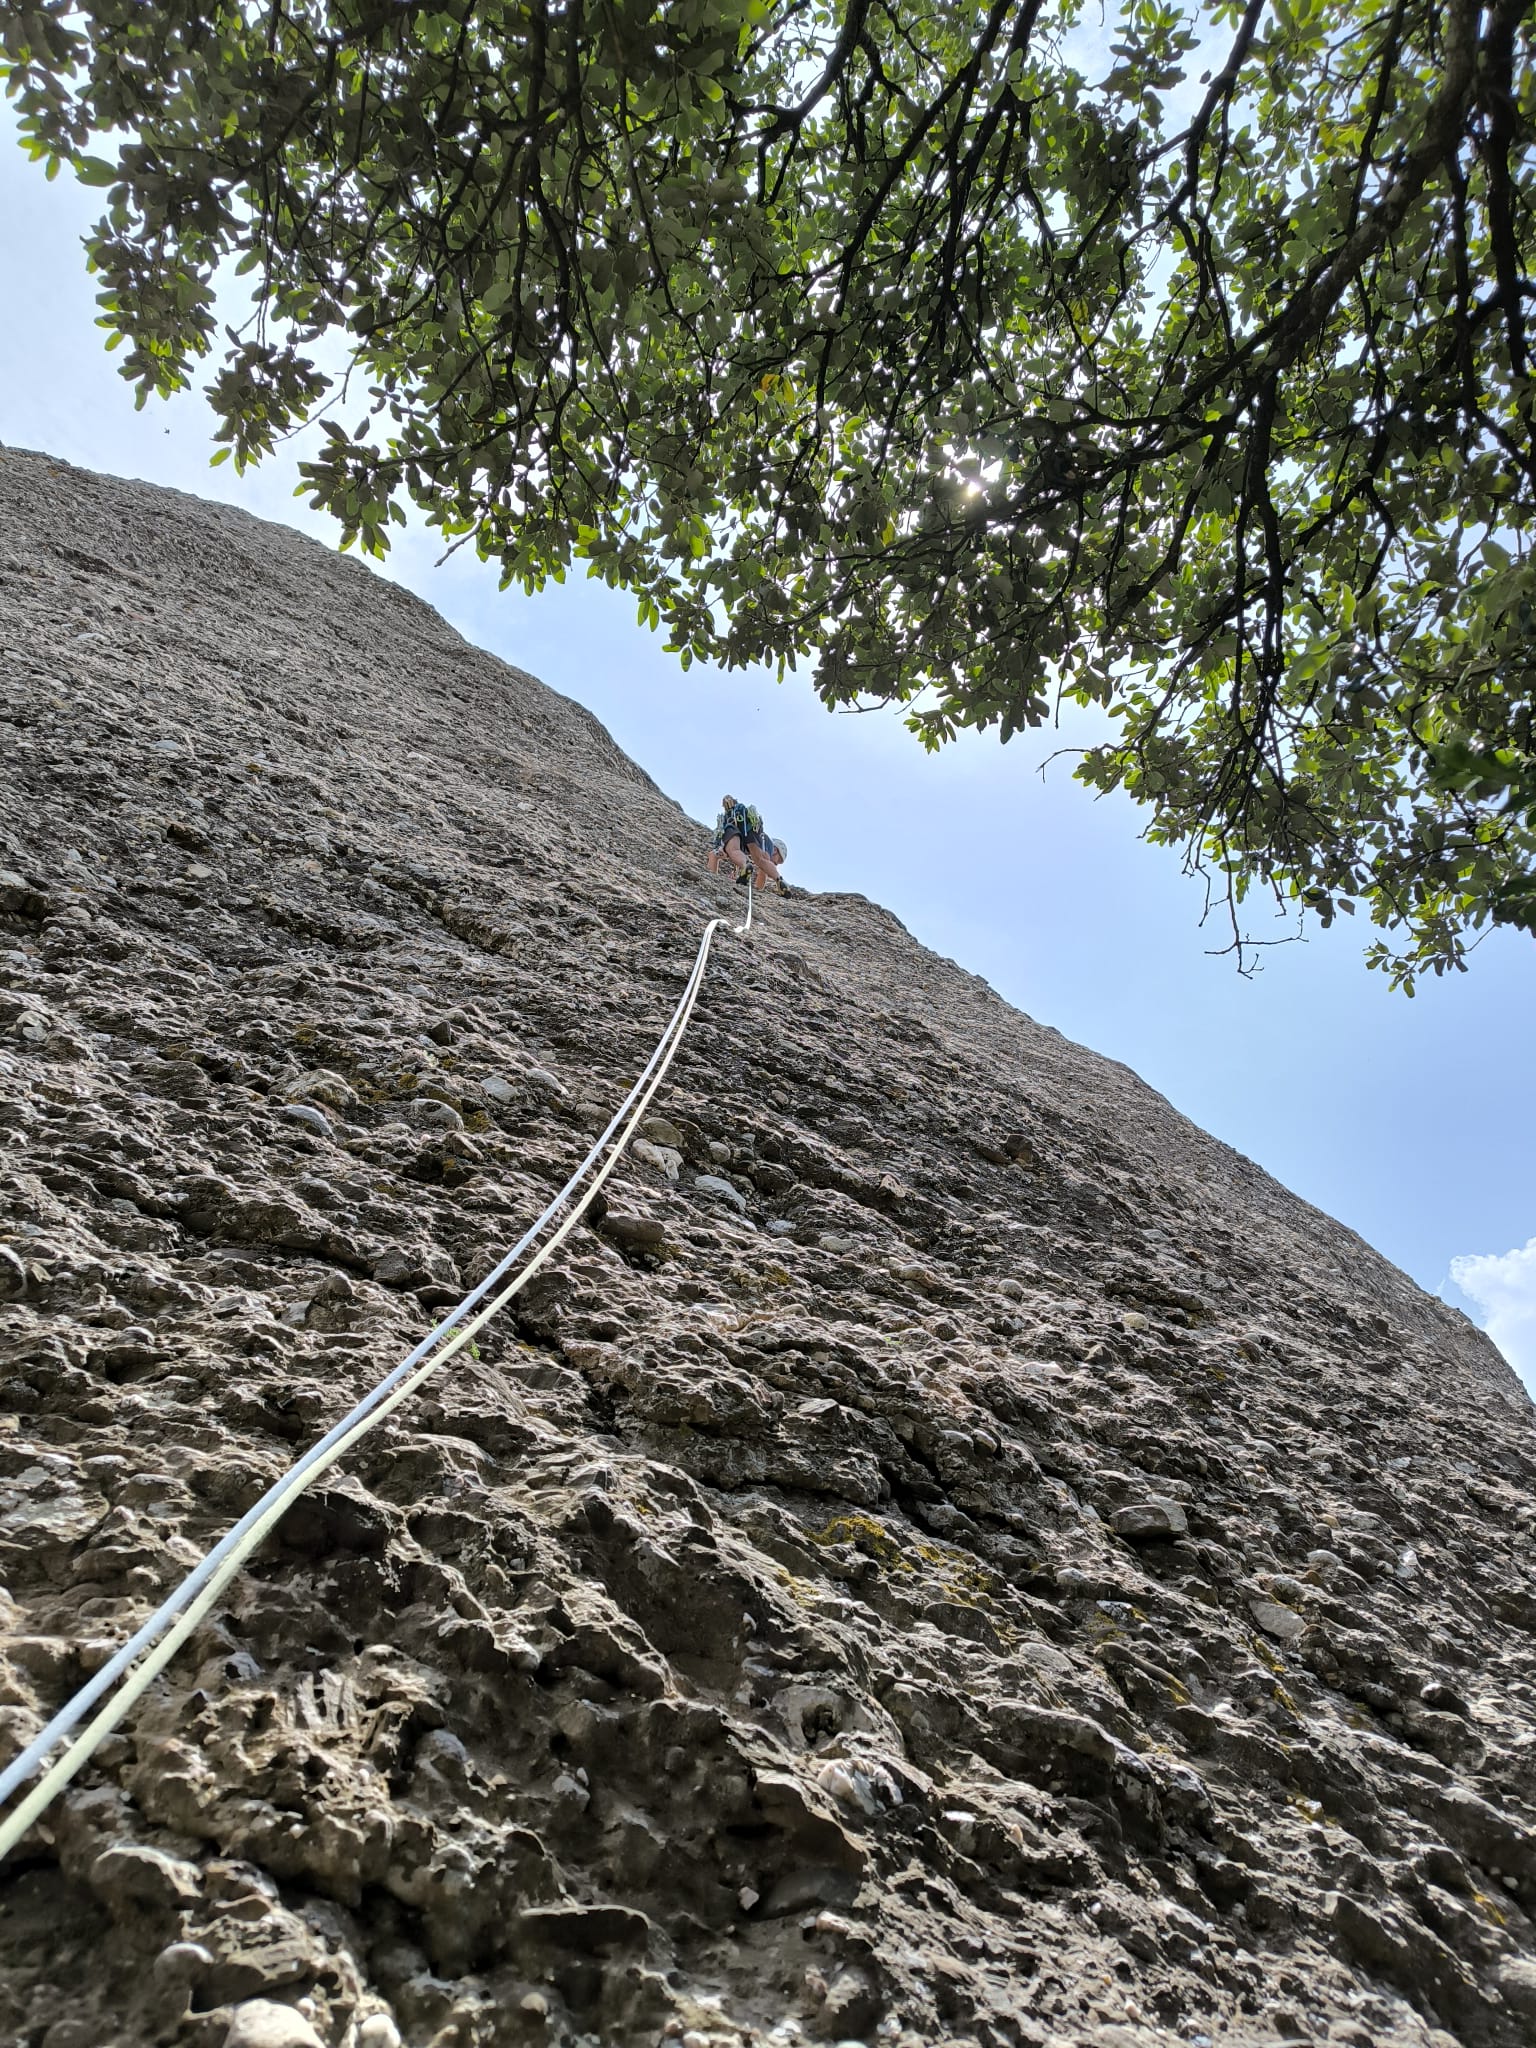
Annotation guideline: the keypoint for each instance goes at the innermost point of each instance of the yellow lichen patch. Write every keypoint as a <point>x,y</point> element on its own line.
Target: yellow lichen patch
<point>868,1535</point>
<point>751,1281</point>
<point>960,1578</point>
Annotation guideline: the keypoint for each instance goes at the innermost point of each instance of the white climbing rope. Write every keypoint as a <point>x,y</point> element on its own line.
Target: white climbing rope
<point>152,1646</point>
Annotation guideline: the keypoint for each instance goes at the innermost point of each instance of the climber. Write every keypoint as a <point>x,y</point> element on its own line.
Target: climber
<point>741,839</point>
<point>736,832</point>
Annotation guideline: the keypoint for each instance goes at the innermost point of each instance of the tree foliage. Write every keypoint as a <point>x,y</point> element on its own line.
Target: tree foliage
<point>973,351</point>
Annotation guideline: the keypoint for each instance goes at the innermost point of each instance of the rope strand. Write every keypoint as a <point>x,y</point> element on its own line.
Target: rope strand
<point>180,1613</point>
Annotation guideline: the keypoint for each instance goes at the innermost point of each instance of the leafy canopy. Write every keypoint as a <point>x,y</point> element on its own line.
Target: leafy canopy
<point>968,349</point>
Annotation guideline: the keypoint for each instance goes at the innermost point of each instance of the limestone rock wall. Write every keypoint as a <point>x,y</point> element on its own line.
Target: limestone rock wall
<point>988,1566</point>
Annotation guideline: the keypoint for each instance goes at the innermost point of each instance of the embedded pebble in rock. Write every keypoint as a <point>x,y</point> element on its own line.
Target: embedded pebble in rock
<point>1005,1575</point>
<point>259,2023</point>
<point>305,1113</point>
<point>666,1161</point>
<point>1150,1521</point>
<point>639,1233</point>
<point>1283,1622</point>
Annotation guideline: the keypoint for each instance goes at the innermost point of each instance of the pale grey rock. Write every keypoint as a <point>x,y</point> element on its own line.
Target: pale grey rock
<point>667,1162</point>
<point>637,1233</point>
<point>715,1184</point>
<point>1150,1521</point>
<point>1283,1623</point>
<point>260,2023</point>
<point>323,1086</point>
<point>304,1113</point>
<point>1517,1982</point>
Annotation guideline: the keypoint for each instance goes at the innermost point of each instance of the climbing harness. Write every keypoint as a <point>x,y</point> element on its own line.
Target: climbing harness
<point>163,1634</point>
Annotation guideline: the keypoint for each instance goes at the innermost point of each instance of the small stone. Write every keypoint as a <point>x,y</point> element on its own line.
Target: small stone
<point>1517,1982</point>
<point>1283,1623</point>
<point>1133,1319</point>
<point>1288,1591</point>
<point>853,2003</point>
<point>321,1085</point>
<point>20,897</point>
<point>429,1114</point>
<point>719,1151</point>
<point>666,1162</point>
<point>312,1119</point>
<point>535,2004</point>
<point>1150,1521</point>
<point>398,1267</point>
<point>181,1962</point>
<point>712,1184</point>
<point>635,1233</point>
<point>71,2033</point>
<point>129,1875</point>
<point>780,1226</point>
<point>497,1088</point>
<point>546,1082</point>
<point>746,1898</point>
<point>656,1130</point>
<point>261,2023</point>
<point>378,2031</point>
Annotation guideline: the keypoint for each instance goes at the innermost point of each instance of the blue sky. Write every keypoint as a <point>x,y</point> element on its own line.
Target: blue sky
<point>1414,1122</point>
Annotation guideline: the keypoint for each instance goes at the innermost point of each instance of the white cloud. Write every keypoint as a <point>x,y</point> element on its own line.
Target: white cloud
<point>1503,1286</point>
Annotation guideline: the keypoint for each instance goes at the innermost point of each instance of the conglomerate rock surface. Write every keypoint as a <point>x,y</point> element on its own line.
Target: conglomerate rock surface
<point>955,1556</point>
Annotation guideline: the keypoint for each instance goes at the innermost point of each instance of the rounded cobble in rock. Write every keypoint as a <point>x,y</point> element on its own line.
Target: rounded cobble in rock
<point>666,1162</point>
<point>713,1184</point>
<point>635,1233</point>
<point>1150,1521</point>
<point>304,1113</point>
<point>262,2023</point>
<point>1283,1623</point>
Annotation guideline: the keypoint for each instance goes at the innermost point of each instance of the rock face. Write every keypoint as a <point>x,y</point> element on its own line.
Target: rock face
<point>954,1556</point>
